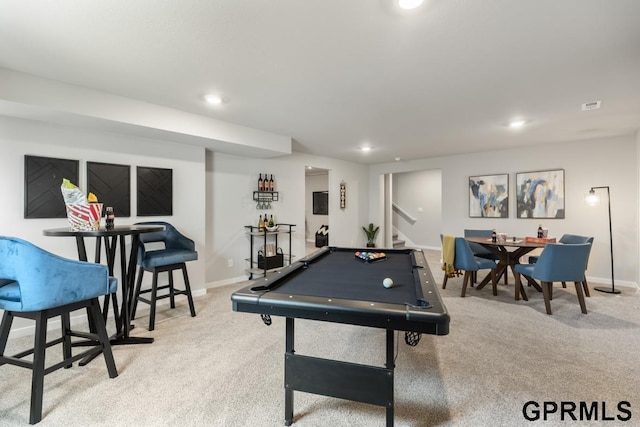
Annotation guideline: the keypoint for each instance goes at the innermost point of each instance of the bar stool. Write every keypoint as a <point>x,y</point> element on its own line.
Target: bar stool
<point>178,249</point>
<point>38,285</point>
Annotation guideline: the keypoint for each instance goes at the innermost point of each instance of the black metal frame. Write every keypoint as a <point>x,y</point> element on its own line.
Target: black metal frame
<point>344,380</point>
<point>99,341</point>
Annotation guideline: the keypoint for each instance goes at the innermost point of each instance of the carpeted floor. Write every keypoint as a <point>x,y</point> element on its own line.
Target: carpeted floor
<point>224,368</point>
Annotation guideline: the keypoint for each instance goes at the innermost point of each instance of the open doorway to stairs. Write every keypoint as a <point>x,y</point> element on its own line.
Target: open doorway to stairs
<point>413,209</point>
<point>316,208</point>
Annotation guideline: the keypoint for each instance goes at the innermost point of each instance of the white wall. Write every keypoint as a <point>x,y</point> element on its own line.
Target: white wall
<point>24,137</point>
<point>415,191</point>
<point>314,221</point>
<point>612,162</point>
<point>231,181</point>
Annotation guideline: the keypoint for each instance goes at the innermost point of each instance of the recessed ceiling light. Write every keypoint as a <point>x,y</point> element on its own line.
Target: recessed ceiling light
<point>517,124</point>
<point>409,4</point>
<point>365,148</point>
<point>213,99</point>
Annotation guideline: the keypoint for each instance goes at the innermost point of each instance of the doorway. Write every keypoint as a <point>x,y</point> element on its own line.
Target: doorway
<point>316,206</point>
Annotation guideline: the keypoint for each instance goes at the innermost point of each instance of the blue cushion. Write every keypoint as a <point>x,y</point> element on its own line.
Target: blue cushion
<point>526,269</point>
<point>484,263</point>
<point>167,257</point>
<point>9,290</point>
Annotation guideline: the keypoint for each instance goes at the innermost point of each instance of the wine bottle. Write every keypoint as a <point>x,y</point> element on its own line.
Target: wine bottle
<point>540,232</point>
<point>271,184</point>
<point>109,218</point>
<point>266,221</point>
<point>494,236</point>
<point>260,223</point>
<point>271,223</point>
<point>260,183</point>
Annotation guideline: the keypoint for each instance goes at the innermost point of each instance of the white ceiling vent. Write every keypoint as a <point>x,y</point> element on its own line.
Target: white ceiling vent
<point>593,105</point>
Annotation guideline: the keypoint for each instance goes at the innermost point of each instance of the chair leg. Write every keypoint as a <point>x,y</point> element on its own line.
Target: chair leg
<point>583,305</point>
<point>586,287</point>
<point>136,294</point>
<point>7,321</point>
<point>494,282</point>
<point>152,304</point>
<point>519,289</point>
<point>564,284</point>
<point>172,295</point>
<point>101,330</point>
<point>66,337</point>
<point>465,281</point>
<point>546,289</point>
<point>37,378</point>
<point>444,281</point>
<point>187,287</point>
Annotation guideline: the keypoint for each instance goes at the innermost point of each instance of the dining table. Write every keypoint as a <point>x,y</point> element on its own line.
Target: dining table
<point>114,238</point>
<point>509,252</point>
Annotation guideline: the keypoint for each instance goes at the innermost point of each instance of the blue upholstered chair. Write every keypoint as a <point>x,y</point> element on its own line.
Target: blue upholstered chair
<point>479,250</point>
<point>570,239</point>
<point>178,249</point>
<point>465,260</point>
<point>38,285</point>
<point>557,263</point>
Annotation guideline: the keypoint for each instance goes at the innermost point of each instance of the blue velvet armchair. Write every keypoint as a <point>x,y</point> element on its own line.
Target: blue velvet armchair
<point>465,260</point>
<point>178,249</point>
<point>38,285</point>
<point>557,263</point>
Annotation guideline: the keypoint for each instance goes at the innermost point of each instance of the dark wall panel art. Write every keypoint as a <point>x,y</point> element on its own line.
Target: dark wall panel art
<point>155,191</point>
<point>42,179</point>
<point>112,185</point>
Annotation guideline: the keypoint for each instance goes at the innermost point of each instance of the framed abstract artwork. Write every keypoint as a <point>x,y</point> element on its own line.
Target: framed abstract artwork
<point>489,196</point>
<point>112,185</point>
<point>155,191</point>
<point>540,194</point>
<point>42,179</point>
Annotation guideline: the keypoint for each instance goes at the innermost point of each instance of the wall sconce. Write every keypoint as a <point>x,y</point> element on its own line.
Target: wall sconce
<point>343,195</point>
<point>592,199</point>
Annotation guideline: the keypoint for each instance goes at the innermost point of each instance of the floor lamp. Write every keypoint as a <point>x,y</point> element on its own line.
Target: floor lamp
<point>592,199</point>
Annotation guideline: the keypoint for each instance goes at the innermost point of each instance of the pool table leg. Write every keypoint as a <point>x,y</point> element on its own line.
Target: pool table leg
<point>390,365</point>
<point>288,393</point>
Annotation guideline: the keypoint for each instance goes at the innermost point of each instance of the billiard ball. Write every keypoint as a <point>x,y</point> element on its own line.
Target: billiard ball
<point>387,283</point>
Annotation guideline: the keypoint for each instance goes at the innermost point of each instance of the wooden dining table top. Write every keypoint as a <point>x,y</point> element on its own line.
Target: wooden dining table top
<point>519,242</point>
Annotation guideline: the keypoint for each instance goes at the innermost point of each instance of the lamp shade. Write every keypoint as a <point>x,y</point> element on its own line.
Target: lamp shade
<point>592,199</point>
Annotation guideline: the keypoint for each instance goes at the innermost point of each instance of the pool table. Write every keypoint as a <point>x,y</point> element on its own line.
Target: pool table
<point>334,285</point>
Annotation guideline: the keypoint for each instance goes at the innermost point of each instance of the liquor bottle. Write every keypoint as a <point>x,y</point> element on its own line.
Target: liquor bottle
<point>540,232</point>
<point>266,221</point>
<point>260,223</point>
<point>272,186</point>
<point>260,183</point>
<point>109,218</point>
<point>271,223</point>
<point>494,236</point>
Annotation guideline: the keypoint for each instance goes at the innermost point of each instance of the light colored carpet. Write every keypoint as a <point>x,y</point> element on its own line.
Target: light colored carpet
<point>224,368</point>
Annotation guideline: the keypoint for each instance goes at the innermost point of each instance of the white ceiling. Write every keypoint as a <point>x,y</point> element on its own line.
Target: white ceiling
<point>335,75</point>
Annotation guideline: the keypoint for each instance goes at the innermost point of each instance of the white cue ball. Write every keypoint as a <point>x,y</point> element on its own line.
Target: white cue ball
<point>387,283</point>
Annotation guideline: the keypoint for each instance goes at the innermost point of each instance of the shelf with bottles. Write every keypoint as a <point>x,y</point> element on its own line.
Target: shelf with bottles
<point>265,254</point>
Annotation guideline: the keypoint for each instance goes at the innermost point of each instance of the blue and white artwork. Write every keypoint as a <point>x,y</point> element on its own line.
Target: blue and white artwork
<point>489,196</point>
<point>540,194</point>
